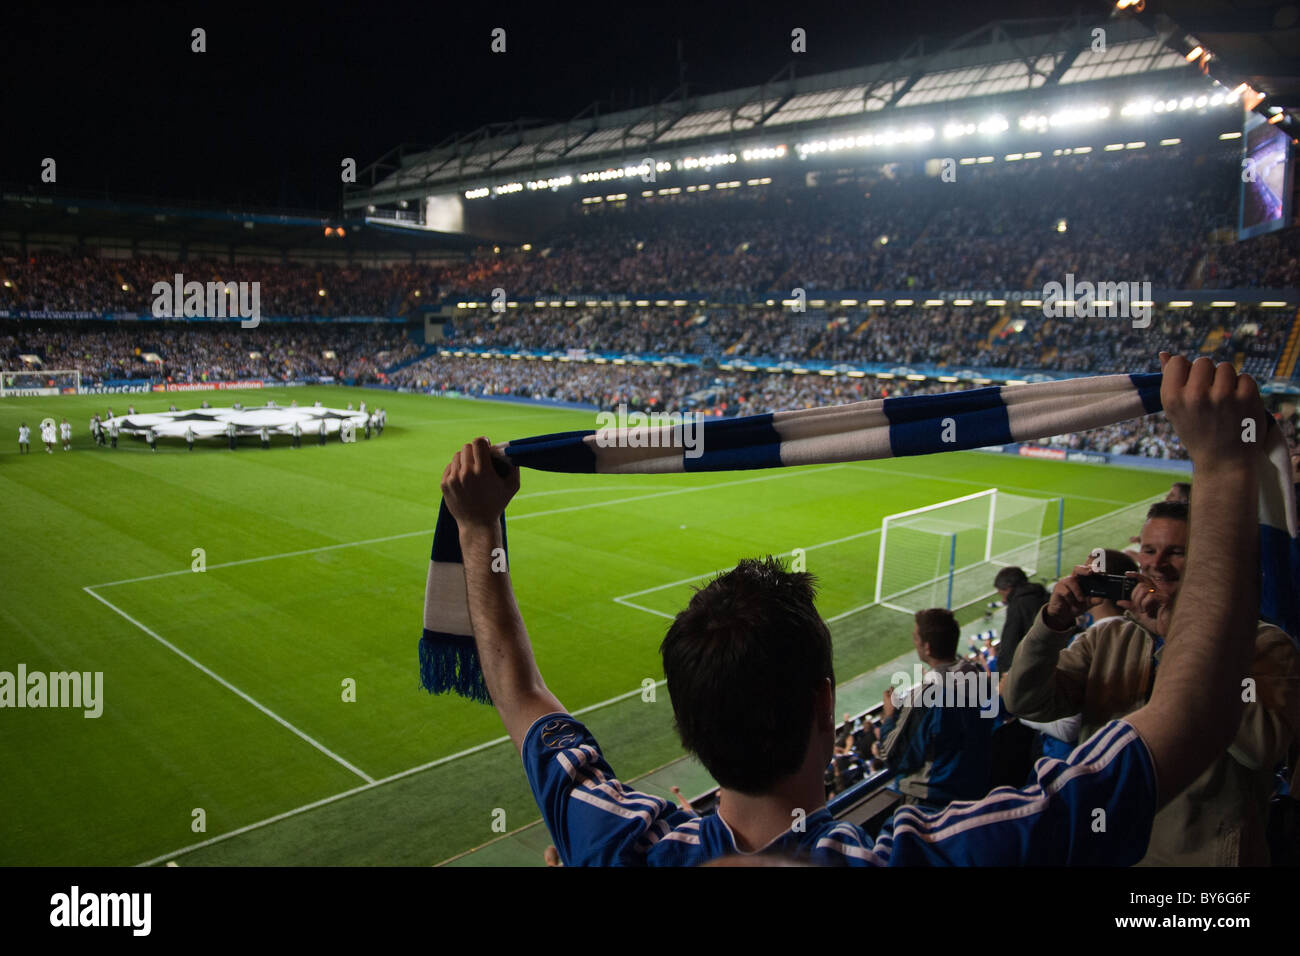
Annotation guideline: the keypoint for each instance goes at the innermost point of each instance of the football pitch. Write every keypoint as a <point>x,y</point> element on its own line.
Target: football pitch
<point>265,710</point>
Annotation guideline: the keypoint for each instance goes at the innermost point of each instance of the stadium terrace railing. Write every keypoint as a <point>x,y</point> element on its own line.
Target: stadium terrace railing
<point>822,298</point>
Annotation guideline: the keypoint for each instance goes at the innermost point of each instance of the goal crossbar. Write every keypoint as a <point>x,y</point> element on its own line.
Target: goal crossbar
<point>949,560</point>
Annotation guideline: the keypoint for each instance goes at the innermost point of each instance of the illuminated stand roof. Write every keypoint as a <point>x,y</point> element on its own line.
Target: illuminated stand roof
<point>1043,65</point>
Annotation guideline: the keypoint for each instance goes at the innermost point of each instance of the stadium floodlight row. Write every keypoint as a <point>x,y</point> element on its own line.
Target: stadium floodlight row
<point>1053,80</point>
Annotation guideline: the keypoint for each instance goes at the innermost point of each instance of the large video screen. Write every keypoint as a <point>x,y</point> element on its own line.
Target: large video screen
<point>1266,178</point>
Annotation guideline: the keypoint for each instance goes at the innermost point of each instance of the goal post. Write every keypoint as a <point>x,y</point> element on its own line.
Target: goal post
<point>53,381</point>
<point>947,554</point>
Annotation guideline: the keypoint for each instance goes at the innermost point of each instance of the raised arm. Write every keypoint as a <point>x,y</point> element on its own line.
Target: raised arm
<point>1196,704</point>
<point>476,495</point>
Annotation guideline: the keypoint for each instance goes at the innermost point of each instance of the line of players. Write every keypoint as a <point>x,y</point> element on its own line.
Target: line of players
<point>108,433</point>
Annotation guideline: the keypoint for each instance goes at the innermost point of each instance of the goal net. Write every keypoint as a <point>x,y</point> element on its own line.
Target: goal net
<point>54,381</point>
<point>947,554</point>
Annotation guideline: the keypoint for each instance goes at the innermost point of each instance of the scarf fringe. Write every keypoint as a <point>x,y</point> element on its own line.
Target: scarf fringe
<point>449,663</point>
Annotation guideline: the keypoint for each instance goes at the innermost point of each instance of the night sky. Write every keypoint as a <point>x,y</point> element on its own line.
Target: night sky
<point>264,117</point>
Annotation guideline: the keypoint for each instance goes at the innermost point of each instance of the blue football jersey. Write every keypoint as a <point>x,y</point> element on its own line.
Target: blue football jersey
<point>1094,809</point>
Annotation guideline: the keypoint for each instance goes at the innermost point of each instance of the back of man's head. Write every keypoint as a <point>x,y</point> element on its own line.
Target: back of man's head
<point>1009,578</point>
<point>939,629</point>
<point>744,662</point>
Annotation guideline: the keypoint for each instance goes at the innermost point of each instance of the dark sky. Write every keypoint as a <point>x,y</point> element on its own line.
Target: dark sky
<point>113,93</point>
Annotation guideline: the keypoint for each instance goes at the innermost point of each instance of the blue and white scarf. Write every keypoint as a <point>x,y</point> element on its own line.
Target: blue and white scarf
<point>882,428</point>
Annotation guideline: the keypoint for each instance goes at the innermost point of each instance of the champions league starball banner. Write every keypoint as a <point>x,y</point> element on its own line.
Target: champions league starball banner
<point>216,422</point>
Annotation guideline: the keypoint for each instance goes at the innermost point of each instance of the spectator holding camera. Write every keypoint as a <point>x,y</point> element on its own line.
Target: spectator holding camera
<point>1219,820</point>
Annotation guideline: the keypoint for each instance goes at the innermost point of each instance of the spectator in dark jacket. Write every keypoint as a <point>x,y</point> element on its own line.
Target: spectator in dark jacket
<point>1023,600</point>
<point>1013,743</point>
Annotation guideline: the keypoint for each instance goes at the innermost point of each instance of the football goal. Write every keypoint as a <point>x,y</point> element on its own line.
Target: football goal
<point>57,381</point>
<point>947,554</point>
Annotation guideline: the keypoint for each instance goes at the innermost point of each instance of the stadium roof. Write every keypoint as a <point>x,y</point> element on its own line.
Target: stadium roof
<point>1002,59</point>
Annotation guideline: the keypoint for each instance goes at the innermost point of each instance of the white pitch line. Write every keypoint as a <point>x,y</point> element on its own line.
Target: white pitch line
<point>317,803</point>
<point>648,610</point>
<point>266,557</point>
<point>371,785</point>
<point>233,689</point>
<point>852,610</point>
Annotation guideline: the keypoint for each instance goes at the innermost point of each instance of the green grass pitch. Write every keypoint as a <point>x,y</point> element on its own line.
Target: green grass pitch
<point>223,690</point>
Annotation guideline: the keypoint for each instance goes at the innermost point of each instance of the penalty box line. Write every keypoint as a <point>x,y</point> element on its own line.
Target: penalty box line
<point>232,688</point>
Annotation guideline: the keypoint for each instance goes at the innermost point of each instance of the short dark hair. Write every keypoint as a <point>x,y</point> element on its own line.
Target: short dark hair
<point>1177,510</point>
<point>1008,578</point>
<point>939,629</point>
<point>1184,488</point>
<point>743,662</point>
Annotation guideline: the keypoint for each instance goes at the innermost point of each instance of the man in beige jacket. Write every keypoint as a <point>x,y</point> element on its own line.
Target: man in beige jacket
<point>1219,820</point>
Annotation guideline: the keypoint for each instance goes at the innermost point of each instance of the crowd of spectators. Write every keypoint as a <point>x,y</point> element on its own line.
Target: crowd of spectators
<point>193,352</point>
<point>1150,437</point>
<point>1163,216</point>
<point>647,387</point>
<point>952,336</point>
<point>1268,262</point>
<point>49,281</point>
<point>856,754</point>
